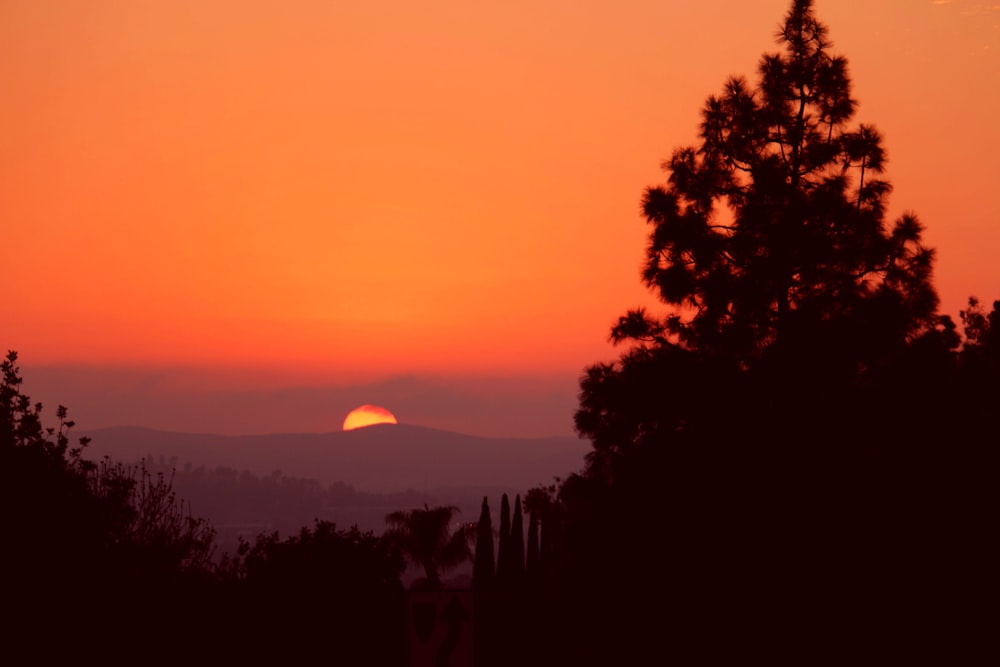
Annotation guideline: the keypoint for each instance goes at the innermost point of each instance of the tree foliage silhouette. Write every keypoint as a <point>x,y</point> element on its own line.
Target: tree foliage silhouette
<point>982,338</point>
<point>99,543</point>
<point>46,504</point>
<point>774,224</point>
<point>789,433</point>
<point>156,528</point>
<point>769,246</point>
<point>427,538</point>
<point>323,590</point>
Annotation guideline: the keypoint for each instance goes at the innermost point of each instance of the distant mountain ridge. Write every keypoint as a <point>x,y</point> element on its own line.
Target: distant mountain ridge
<point>383,458</point>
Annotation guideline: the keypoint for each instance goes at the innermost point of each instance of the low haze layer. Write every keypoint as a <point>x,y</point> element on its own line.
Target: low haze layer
<point>193,400</point>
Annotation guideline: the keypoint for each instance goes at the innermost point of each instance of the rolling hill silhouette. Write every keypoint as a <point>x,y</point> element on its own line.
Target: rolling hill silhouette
<point>382,458</point>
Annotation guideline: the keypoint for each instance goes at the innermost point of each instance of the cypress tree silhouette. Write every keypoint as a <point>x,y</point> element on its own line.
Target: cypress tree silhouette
<point>517,544</point>
<point>483,570</point>
<point>531,562</point>
<point>484,584</point>
<point>504,544</point>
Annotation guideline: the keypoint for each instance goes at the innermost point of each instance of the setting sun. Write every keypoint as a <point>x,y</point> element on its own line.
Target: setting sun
<point>368,415</point>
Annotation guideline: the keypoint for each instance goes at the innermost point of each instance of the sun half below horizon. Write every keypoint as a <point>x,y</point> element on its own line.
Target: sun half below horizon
<point>368,415</point>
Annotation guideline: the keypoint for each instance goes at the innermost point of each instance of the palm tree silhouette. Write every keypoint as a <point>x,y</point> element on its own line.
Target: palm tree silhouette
<point>426,538</point>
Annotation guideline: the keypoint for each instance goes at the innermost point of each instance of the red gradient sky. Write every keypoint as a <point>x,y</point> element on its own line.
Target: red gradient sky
<point>348,191</point>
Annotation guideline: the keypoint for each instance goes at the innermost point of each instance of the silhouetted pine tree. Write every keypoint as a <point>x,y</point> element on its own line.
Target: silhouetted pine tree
<point>770,247</point>
<point>771,451</point>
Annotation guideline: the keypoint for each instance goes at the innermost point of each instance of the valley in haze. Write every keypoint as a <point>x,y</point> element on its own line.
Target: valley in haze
<point>245,485</point>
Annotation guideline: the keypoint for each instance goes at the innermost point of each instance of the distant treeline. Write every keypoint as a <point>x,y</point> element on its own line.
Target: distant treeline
<point>241,504</point>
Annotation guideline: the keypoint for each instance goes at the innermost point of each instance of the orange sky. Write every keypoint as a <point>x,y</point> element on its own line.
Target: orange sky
<point>371,188</point>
